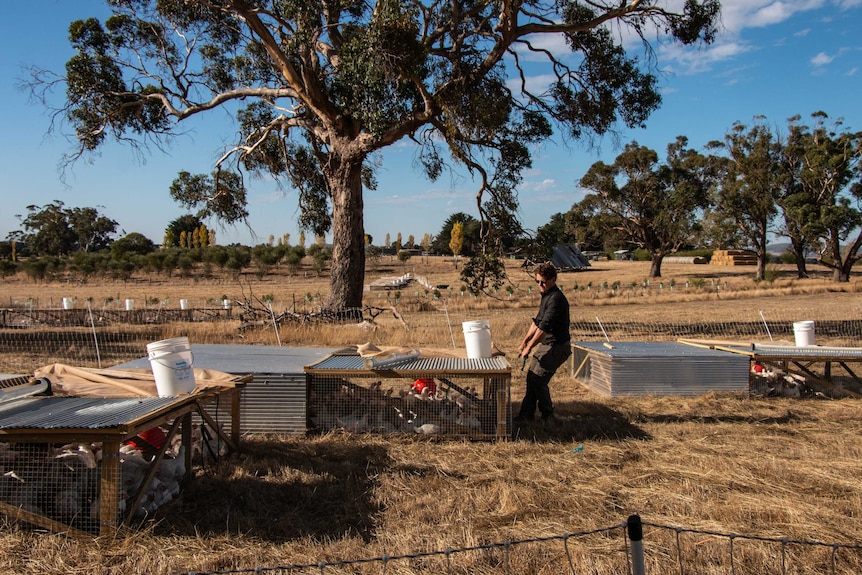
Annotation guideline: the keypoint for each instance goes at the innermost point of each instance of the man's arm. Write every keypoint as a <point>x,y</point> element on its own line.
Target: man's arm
<point>534,336</point>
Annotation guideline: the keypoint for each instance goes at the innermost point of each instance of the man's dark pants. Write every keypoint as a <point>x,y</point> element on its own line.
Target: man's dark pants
<point>546,360</point>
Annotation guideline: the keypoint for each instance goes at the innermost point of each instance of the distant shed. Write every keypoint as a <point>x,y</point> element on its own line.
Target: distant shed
<point>657,368</point>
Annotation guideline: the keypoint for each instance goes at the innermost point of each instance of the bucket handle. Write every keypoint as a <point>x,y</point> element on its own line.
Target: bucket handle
<point>173,366</point>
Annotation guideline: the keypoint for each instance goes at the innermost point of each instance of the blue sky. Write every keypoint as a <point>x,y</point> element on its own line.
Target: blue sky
<point>775,59</point>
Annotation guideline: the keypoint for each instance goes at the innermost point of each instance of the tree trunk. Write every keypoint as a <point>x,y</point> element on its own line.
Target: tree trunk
<point>839,275</point>
<point>762,256</point>
<point>798,250</point>
<point>348,233</point>
<point>655,266</point>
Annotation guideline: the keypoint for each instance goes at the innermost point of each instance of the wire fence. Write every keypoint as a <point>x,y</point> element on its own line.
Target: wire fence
<point>33,337</point>
<point>640,547</point>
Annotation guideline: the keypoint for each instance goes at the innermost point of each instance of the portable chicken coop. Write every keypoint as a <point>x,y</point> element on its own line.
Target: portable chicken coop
<point>84,465</point>
<point>445,396</point>
<point>657,368</point>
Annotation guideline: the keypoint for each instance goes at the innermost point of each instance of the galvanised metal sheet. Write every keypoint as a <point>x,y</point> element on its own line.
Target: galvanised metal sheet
<point>76,412</point>
<point>804,352</point>
<point>243,359</point>
<point>660,368</point>
<point>419,364</point>
<point>272,403</point>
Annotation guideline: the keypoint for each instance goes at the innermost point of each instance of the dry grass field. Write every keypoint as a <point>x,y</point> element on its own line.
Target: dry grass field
<point>725,464</point>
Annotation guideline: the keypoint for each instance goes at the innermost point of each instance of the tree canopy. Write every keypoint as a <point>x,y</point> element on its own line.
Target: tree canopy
<point>56,230</point>
<point>317,88</point>
<point>656,206</point>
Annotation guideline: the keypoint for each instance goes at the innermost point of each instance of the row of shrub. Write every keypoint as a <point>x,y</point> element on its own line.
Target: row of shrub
<point>184,262</point>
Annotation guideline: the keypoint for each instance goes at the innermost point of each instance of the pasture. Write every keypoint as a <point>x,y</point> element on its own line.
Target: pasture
<point>728,464</point>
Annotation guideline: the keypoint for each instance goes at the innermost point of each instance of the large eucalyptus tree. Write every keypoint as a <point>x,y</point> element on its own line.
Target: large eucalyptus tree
<point>825,203</point>
<point>752,178</point>
<point>318,86</point>
<point>657,206</point>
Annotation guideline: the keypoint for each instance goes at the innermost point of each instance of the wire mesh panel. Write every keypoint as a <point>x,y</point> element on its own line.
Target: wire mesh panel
<point>90,464</point>
<point>425,396</point>
<point>58,483</point>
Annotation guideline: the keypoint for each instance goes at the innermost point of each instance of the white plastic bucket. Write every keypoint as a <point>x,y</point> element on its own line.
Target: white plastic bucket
<point>171,361</point>
<point>130,304</point>
<point>803,331</point>
<point>67,303</point>
<point>477,337</point>
<point>184,304</point>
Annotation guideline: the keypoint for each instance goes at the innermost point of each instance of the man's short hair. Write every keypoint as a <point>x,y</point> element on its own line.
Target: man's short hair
<point>547,270</point>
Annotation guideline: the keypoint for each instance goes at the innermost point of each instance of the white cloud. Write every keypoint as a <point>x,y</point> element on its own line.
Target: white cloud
<point>852,71</point>
<point>691,61</point>
<point>543,186</point>
<point>822,59</point>
<point>803,33</point>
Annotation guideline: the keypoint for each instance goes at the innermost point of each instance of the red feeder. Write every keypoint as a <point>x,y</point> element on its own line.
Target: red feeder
<point>424,383</point>
<point>155,437</point>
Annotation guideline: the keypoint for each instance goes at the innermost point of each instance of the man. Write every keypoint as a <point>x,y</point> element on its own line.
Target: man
<point>549,341</point>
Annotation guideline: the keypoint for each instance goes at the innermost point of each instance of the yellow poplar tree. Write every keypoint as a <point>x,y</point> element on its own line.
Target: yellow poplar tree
<point>456,241</point>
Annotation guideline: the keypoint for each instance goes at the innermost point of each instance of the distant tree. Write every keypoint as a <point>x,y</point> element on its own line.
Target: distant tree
<point>404,256</point>
<point>293,258</point>
<point>8,268</point>
<point>719,231</point>
<point>217,255</point>
<point>133,243</point>
<point>751,178</point>
<point>239,257</point>
<point>319,89</point>
<point>386,242</point>
<point>319,256</point>
<point>823,207</point>
<point>456,239</point>
<point>93,231</point>
<point>593,228</point>
<point>7,250</point>
<point>658,205</point>
<point>186,223</point>
<point>265,257</point>
<point>47,230</point>
<point>551,235</point>
<point>471,228</point>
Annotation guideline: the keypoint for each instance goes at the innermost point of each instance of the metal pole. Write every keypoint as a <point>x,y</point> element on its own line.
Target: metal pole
<point>95,339</point>
<point>635,531</point>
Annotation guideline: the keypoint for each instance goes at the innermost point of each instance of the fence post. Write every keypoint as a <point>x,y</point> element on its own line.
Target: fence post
<point>635,531</point>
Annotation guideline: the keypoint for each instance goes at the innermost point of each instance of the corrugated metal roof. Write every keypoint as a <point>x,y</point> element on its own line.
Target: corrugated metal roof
<point>76,412</point>
<point>807,352</point>
<point>659,368</point>
<point>649,349</point>
<point>419,364</point>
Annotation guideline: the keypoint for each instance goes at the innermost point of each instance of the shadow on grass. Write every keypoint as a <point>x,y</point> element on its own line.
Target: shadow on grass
<point>278,490</point>
<point>578,421</point>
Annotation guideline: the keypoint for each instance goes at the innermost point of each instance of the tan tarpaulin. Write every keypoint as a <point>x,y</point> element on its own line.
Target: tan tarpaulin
<point>90,382</point>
